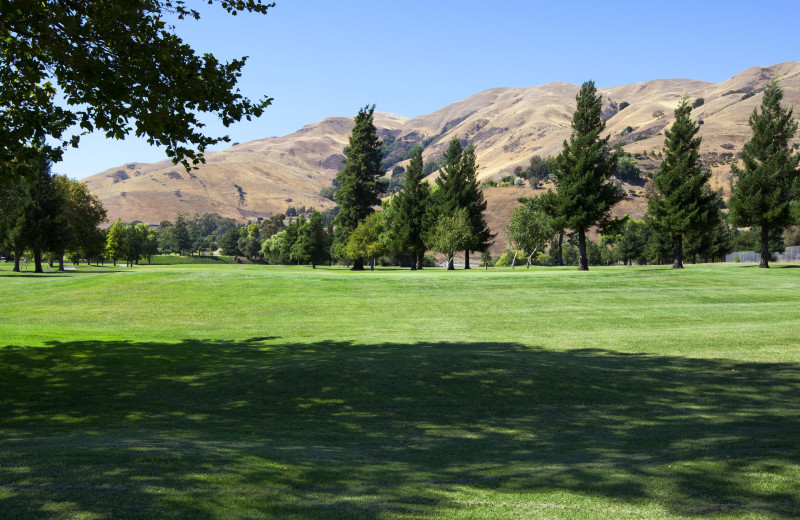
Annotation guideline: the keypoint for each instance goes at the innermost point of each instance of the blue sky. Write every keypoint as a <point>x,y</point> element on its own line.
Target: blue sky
<point>320,58</point>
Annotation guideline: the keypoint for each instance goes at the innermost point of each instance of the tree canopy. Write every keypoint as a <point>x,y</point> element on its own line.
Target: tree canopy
<point>120,69</point>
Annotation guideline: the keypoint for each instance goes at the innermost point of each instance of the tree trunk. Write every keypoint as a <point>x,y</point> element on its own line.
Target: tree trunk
<point>17,255</point>
<point>583,260</point>
<point>37,261</point>
<point>50,262</point>
<point>466,259</point>
<point>420,259</point>
<point>372,265</point>
<point>61,262</point>
<point>514,260</point>
<point>765,256</point>
<point>530,260</point>
<point>358,265</point>
<point>450,265</point>
<point>559,250</point>
<point>678,259</point>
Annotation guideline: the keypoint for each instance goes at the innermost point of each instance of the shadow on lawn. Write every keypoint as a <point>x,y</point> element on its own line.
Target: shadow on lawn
<point>332,429</point>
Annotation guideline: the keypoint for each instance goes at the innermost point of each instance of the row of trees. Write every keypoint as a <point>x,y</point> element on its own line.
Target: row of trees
<point>45,213</point>
<point>684,208</point>
<point>447,217</point>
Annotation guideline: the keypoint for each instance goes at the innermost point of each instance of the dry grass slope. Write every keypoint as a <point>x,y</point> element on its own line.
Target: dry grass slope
<point>507,126</point>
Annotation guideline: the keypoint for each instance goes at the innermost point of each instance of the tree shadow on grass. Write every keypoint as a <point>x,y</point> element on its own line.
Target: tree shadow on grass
<point>337,430</point>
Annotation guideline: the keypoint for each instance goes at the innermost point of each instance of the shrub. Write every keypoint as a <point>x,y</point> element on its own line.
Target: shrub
<point>624,105</point>
<point>698,102</point>
<point>658,114</point>
<point>507,256</point>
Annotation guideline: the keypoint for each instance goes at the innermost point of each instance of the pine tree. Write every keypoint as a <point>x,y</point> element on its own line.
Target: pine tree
<point>411,215</point>
<point>763,191</point>
<point>311,244</point>
<point>472,200</point>
<point>458,189</point>
<point>683,203</point>
<point>360,181</point>
<point>584,195</point>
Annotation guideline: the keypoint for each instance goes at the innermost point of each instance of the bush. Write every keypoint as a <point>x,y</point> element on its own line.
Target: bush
<point>505,259</point>
<point>658,114</point>
<point>698,102</point>
<point>624,105</point>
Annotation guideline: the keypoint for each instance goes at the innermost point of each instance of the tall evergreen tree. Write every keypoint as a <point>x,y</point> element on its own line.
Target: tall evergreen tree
<point>411,214</point>
<point>458,189</point>
<point>763,190</point>
<point>584,195</point>
<point>450,183</point>
<point>683,203</point>
<point>360,181</point>
<point>472,200</point>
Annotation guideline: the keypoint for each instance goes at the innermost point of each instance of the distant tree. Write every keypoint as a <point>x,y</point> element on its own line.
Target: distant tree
<point>450,234</point>
<point>632,242</point>
<point>229,243</point>
<point>83,213</point>
<point>115,241</point>
<point>472,200</point>
<point>273,224</point>
<point>628,170</point>
<point>764,189</point>
<point>411,217</point>
<point>183,241</point>
<point>458,189</point>
<point>537,171</point>
<point>529,228</point>
<point>149,246</point>
<point>360,181</point>
<point>698,102</point>
<point>450,184</point>
<point>13,198</point>
<point>486,258</point>
<point>312,242</point>
<point>272,248</point>
<point>42,226</point>
<point>683,203</point>
<point>364,241</point>
<point>584,195</point>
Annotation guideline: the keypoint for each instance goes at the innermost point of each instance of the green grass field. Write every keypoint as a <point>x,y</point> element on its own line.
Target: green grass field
<point>241,391</point>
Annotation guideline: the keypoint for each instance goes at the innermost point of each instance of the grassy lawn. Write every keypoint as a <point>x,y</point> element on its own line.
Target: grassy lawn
<point>241,391</point>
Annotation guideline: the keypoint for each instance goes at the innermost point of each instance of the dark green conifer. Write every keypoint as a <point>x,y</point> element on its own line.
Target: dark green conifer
<point>472,200</point>
<point>412,211</point>
<point>458,189</point>
<point>763,190</point>
<point>584,196</point>
<point>360,181</point>
<point>683,203</point>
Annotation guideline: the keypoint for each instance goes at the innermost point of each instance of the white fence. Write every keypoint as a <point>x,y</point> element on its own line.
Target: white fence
<point>792,254</point>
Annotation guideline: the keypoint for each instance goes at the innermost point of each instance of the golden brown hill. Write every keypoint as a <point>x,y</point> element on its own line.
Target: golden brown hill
<point>507,126</point>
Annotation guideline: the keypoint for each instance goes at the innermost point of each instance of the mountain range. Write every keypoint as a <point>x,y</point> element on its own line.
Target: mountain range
<point>507,126</point>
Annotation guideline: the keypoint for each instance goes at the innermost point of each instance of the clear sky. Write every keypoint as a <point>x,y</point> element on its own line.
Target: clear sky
<point>320,58</point>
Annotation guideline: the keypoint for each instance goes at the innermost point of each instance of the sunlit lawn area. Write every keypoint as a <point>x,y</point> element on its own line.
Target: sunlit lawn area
<point>231,391</point>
